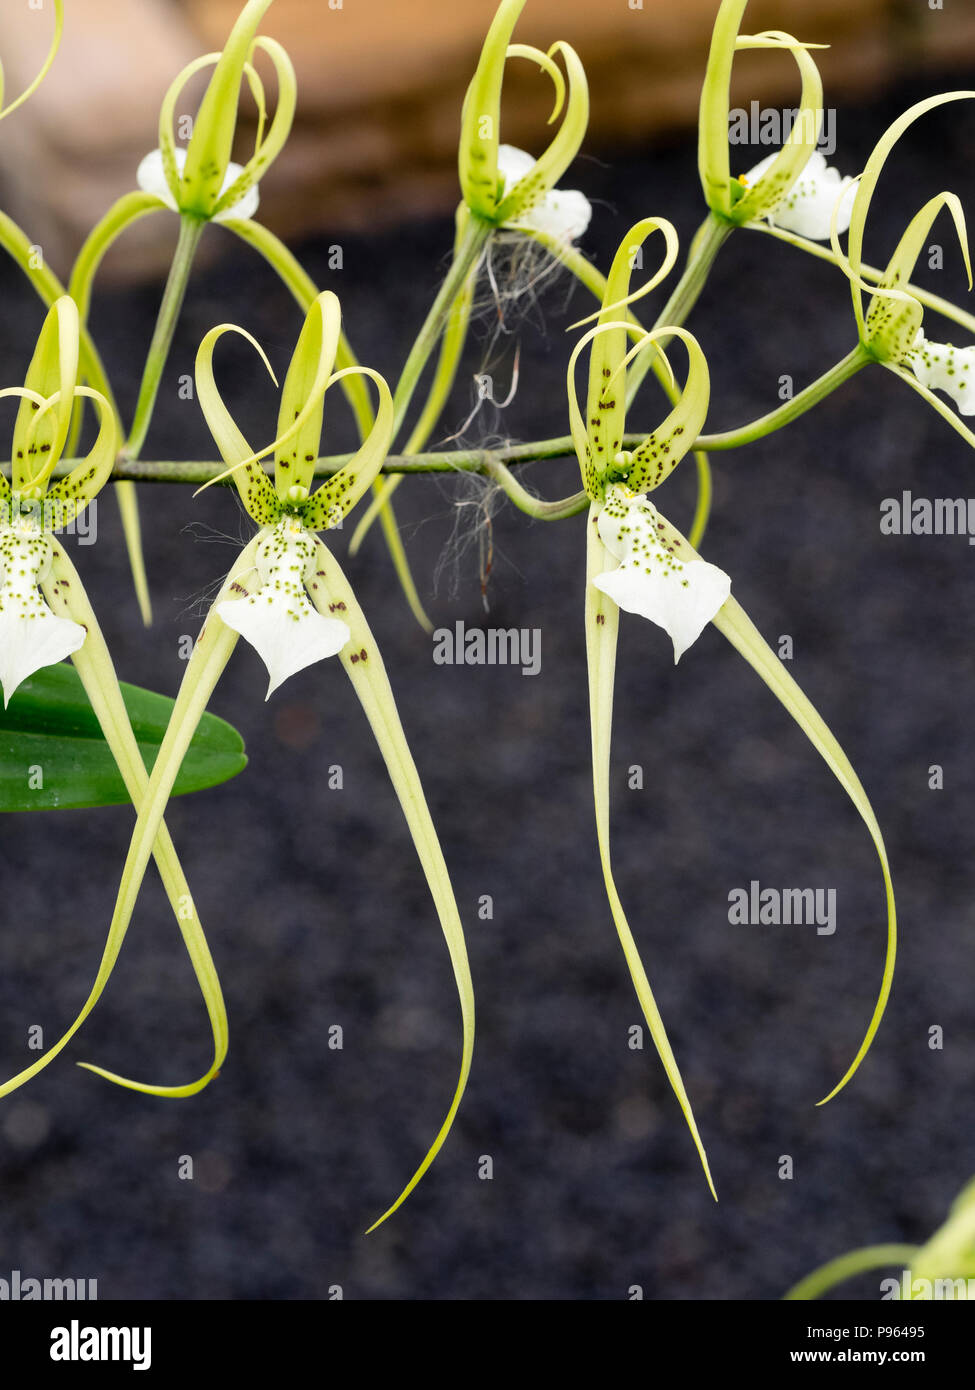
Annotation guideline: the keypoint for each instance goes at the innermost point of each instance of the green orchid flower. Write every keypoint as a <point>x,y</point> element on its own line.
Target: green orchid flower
<point>52,53</point>
<point>640,563</point>
<point>202,181</point>
<point>287,595</point>
<point>45,616</point>
<point>499,184</point>
<point>735,200</point>
<point>890,330</point>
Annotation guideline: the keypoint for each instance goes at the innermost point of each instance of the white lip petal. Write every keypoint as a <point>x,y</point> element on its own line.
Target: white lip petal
<point>681,596</point>
<point>807,208</point>
<point>278,619</point>
<point>31,636</point>
<point>152,179</point>
<point>563,214</point>
<point>514,164</point>
<point>944,367</point>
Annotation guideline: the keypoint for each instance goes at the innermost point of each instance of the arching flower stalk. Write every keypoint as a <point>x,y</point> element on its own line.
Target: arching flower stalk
<point>287,595</point>
<point>638,561</point>
<point>45,616</point>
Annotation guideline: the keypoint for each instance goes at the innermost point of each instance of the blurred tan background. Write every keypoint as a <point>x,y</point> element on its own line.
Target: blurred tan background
<point>380,88</point>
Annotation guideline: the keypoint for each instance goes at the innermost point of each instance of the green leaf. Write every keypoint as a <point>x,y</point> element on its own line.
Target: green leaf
<point>50,725</point>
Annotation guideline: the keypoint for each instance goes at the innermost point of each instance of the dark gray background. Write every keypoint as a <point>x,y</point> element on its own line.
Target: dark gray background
<point>316,908</point>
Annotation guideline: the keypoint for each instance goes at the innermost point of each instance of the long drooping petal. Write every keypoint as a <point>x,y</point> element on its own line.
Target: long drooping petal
<point>332,595</point>
<point>204,668</point>
<point>741,632</point>
<point>66,595</point>
<point>602,624</point>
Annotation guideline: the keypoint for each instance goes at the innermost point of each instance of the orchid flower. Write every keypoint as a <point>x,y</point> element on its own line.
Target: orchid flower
<point>890,331</point>
<point>202,181</point>
<point>287,595</point>
<point>639,562</point>
<point>45,616</point>
<point>736,201</point>
<point>502,185</point>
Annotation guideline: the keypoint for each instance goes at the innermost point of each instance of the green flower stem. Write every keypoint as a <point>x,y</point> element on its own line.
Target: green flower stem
<point>190,231</point>
<point>821,1280</point>
<point>935,302</point>
<point>451,346</point>
<point>602,627</point>
<point>529,504</point>
<point>466,256</point>
<point>197,472</point>
<point>49,288</point>
<point>811,395</point>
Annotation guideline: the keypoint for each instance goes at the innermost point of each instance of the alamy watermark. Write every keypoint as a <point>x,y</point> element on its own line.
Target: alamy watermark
<point>493,646</point>
<point>908,515</point>
<point>939,1290</point>
<point>756,906</point>
<point>756,126</point>
<point>21,1288</point>
<point>52,514</point>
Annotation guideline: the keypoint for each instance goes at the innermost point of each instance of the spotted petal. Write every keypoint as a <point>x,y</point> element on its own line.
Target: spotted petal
<point>807,207</point>
<point>563,214</point>
<point>31,636</point>
<point>944,367</point>
<point>681,596</point>
<point>151,178</point>
<point>278,618</point>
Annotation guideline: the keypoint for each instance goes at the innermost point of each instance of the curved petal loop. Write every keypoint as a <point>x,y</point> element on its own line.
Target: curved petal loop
<point>255,487</point>
<point>336,497</point>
